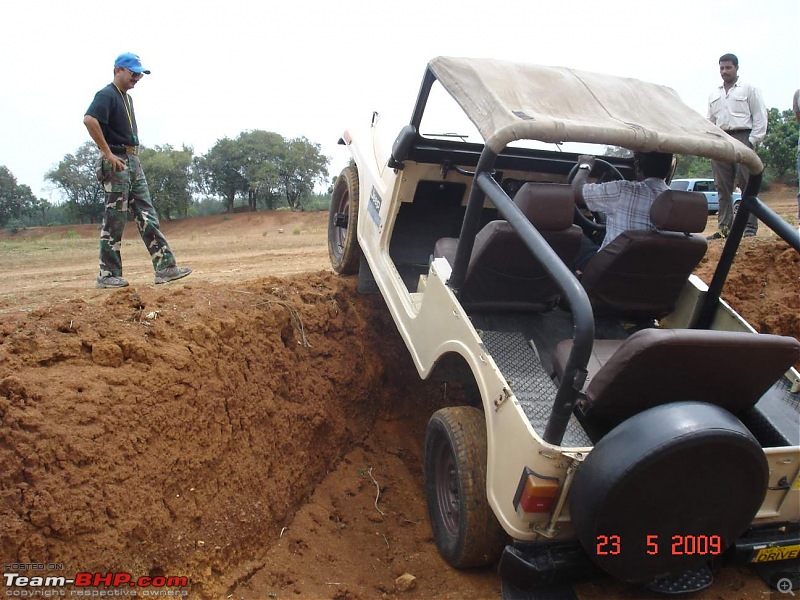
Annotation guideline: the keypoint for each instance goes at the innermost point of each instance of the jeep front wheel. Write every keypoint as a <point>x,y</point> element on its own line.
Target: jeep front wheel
<point>343,222</point>
<point>464,527</point>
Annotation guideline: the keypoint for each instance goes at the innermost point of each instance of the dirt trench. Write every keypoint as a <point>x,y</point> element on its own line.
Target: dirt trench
<point>176,432</point>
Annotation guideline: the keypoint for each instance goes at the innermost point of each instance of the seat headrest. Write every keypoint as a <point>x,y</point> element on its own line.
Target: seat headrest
<point>674,210</point>
<point>549,206</point>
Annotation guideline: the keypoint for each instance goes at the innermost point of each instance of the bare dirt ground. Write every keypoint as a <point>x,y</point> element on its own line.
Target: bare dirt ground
<point>256,427</point>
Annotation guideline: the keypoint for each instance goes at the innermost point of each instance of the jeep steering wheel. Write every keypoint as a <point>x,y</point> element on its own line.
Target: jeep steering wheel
<point>580,219</point>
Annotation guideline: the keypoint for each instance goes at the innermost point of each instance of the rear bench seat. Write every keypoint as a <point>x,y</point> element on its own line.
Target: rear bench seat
<point>657,366</point>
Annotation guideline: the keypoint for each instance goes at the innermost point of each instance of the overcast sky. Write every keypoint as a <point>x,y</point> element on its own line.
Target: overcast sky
<point>314,68</point>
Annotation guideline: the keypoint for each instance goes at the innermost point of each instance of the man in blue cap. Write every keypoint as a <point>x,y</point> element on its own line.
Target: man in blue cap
<point>111,122</point>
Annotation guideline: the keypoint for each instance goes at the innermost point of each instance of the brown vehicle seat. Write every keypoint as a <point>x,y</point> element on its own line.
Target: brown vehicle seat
<point>640,274</point>
<point>732,370</point>
<point>502,273</point>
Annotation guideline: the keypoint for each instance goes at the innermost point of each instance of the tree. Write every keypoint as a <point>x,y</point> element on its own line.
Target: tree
<point>41,208</point>
<point>263,167</point>
<point>778,151</point>
<point>220,171</point>
<point>692,166</point>
<point>302,167</point>
<point>27,203</point>
<point>261,156</point>
<point>75,178</point>
<point>168,177</point>
<point>16,201</point>
<point>9,200</point>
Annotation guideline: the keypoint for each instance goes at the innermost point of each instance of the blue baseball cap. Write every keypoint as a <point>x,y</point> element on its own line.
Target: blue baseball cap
<point>131,62</point>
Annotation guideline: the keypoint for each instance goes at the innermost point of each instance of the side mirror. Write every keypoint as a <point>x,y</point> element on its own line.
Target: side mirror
<point>402,146</point>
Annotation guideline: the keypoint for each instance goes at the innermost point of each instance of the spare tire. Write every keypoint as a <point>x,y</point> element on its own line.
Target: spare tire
<point>667,490</point>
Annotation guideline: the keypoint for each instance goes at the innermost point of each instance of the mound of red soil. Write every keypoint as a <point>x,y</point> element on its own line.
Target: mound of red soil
<point>173,432</point>
<point>763,285</point>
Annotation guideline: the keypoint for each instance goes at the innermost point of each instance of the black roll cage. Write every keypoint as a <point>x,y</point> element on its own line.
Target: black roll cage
<point>412,145</point>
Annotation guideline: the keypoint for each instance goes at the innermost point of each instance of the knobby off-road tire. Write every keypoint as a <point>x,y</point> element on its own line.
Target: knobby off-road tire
<point>464,527</point>
<point>343,247</point>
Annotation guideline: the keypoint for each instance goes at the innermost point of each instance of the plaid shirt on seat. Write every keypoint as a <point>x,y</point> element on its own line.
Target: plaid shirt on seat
<point>626,204</point>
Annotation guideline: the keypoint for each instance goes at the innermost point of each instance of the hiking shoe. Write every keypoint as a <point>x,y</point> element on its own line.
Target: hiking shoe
<point>109,281</point>
<point>171,274</point>
<point>716,236</point>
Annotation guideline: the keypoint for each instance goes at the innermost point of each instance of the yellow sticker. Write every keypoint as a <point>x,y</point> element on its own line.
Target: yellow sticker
<point>777,553</point>
<point>796,484</point>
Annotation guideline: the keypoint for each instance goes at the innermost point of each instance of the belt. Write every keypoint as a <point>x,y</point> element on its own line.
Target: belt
<point>125,149</point>
<point>742,130</point>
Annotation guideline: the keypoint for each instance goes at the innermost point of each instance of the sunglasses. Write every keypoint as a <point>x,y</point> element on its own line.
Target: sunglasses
<point>135,76</point>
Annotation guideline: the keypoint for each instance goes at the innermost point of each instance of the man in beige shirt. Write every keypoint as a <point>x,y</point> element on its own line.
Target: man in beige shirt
<point>738,109</point>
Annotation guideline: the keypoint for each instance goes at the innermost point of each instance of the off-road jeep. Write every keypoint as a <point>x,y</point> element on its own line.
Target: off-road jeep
<point>628,421</point>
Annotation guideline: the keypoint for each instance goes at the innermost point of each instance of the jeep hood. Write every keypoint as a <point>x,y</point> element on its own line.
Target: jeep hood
<point>510,101</point>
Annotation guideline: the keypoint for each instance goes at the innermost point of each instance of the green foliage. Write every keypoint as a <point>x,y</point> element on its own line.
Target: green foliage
<point>319,202</point>
<point>51,214</point>
<point>219,172</point>
<point>692,167</point>
<point>262,168</point>
<point>13,225</point>
<point>168,173</point>
<point>257,169</point>
<point>206,205</point>
<point>260,152</point>
<point>17,202</point>
<point>301,168</point>
<point>778,151</point>
<point>75,178</point>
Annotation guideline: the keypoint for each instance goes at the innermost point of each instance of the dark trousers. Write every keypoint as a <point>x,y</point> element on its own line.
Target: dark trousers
<point>727,176</point>
<point>585,253</point>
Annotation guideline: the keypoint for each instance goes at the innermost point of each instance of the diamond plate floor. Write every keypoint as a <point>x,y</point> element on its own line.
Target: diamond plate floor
<point>530,383</point>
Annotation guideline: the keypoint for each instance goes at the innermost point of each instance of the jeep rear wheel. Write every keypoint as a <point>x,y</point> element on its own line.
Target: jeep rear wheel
<point>343,222</point>
<point>464,527</point>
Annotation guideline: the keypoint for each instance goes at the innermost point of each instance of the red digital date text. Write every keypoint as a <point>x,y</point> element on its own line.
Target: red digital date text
<point>679,545</point>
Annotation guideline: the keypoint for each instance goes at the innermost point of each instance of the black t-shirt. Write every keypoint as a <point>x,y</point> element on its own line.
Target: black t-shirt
<point>109,108</point>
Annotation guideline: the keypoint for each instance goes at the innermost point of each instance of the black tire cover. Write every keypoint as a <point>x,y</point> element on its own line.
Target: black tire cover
<point>676,476</point>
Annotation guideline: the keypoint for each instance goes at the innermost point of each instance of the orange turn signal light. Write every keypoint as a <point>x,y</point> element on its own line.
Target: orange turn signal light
<point>536,493</point>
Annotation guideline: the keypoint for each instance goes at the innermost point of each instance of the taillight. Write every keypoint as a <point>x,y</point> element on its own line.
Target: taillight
<point>535,493</point>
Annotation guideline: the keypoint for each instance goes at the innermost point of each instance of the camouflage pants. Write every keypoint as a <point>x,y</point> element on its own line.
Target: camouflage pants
<point>127,191</point>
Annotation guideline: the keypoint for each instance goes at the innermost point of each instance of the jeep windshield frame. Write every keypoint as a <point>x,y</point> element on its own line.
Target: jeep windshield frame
<point>556,105</point>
